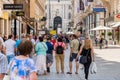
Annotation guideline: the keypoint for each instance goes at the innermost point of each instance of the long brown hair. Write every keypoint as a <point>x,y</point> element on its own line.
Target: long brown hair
<point>87,43</point>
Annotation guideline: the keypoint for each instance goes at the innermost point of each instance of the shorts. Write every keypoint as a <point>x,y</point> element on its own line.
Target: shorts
<point>49,58</point>
<point>74,55</point>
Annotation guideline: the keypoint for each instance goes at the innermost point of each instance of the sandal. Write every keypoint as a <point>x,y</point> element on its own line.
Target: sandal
<point>69,73</point>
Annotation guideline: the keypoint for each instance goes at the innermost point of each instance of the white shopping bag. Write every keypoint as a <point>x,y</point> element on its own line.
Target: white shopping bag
<point>93,68</point>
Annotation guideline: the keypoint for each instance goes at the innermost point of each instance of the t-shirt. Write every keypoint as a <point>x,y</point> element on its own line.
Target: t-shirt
<point>41,48</point>
<point>10,45</point>
<point>17,43</point>
<point>74,45</point>
<point>50,47</point>
<point>21,69</point>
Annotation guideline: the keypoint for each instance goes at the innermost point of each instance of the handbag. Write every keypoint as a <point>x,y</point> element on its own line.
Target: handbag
<point>83,59</point>
<point>7,76</point>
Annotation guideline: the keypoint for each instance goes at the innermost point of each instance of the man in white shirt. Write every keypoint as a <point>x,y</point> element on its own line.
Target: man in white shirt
<point>33,42</point>
<point>10,47</point>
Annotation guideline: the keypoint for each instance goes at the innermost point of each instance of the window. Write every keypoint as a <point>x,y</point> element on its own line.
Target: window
<point>69,6</point>
<point>69,15</point>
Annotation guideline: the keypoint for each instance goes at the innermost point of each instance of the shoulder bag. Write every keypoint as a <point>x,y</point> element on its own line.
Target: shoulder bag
<point>83,59</point>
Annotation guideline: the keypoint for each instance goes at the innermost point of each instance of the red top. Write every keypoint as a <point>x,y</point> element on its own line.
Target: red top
<point>60,43</point>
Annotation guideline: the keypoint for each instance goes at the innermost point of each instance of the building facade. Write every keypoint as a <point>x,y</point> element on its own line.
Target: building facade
<point>29,23</point>
<point>97,13</point>
<point>58,14</point>
<point>5,16</point>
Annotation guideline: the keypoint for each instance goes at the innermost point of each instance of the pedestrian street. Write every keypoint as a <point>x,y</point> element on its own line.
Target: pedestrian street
<point>108,64</point>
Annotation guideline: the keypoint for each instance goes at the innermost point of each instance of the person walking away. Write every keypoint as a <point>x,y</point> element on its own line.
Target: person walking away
<point>22,67</point>
<point>80,38</point>
<point>73,53</point>
<point>49,57</point>
<point>33,43</point>
<point>101,42</point>
<point>87,50</point>
<point>10,47</point>
<point>59,56</point>
<point>40,50</point>
<point>53,40</point>
<point>23,38</point>
<point>3,62</point>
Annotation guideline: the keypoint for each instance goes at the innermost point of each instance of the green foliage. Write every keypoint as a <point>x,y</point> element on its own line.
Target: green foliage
<point>102,33</point>
<point>109,33</point>
<point>110,39</point>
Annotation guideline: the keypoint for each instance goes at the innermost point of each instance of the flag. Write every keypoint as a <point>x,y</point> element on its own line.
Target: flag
<point>81,5</point>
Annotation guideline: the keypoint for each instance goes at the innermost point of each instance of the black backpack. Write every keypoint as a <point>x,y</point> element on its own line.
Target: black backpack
<point>59,49</point>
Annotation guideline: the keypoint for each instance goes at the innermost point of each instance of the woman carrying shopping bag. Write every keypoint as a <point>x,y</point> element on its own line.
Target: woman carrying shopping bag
<point>88,52</point>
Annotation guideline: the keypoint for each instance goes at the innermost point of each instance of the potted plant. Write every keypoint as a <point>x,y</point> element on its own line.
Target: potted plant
<point>110,39</point>
<point>102,33</point>
<point>109,33</point>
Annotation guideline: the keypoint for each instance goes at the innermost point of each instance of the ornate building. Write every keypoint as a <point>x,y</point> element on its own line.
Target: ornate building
<point>58,15</point>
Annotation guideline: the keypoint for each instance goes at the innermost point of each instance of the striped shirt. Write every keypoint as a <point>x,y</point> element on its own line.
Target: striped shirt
<point>3,63</point>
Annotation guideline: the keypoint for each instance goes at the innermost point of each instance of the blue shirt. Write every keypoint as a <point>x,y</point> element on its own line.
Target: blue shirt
<point>17,43</point>
<point>50,47</point>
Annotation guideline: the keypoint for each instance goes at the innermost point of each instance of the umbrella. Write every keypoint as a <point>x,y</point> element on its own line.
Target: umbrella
<point>101,28</point>
<point>117,24</point>
<point>69,33</point>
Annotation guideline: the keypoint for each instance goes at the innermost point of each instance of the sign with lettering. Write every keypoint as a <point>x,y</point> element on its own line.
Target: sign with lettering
<point>12,6</point>
<point>99,10</point>
<point>118,16</point>
<point>20,13</point>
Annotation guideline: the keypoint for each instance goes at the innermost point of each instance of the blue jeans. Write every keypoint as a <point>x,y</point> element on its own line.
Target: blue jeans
<point>9,57</point>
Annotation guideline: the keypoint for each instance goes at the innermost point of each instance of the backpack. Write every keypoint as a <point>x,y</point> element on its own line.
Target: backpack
<point>59,49</point>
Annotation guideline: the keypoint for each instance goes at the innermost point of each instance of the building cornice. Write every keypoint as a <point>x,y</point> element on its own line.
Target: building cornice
<point>40,4</point>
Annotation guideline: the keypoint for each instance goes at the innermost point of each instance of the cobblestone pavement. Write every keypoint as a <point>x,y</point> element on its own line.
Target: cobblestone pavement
<point>108,64</point>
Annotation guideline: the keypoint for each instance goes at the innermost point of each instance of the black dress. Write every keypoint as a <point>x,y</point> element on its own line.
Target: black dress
<point>89,60</point>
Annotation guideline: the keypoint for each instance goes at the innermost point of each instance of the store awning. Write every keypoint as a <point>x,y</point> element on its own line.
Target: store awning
<point>30,26</point>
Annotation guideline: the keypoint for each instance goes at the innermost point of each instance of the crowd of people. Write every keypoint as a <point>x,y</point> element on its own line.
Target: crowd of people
<point>29,56</point>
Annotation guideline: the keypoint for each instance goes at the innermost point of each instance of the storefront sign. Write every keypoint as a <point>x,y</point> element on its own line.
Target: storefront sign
<point>20,13</point>
<point>12,6</point>
<point>53,32</point>
<point>99,10</point>
<point>118,16</point>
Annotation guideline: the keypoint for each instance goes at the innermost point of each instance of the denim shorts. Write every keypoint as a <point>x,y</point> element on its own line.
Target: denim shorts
<point>74,55</point>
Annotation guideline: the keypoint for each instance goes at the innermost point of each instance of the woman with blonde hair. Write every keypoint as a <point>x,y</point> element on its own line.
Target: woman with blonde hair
<point>87,50</point>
